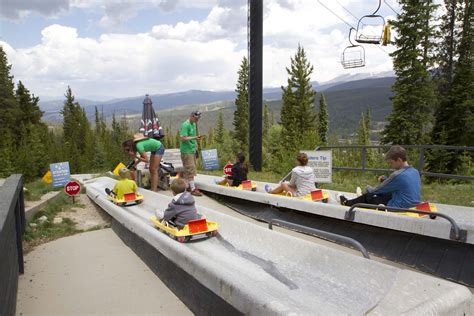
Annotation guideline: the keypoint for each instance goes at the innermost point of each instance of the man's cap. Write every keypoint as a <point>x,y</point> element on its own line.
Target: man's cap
<point>196,114</point>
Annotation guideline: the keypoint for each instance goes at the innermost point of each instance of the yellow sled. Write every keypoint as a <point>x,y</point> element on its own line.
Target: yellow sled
<point>193,230</point>
<point>245,185</point>
<point>128,199</point>
<point>424,206</point>
<point>317,195</point>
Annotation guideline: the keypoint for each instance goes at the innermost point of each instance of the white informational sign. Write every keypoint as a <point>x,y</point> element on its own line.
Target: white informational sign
<point>210,161</point>
<point>321,162</point>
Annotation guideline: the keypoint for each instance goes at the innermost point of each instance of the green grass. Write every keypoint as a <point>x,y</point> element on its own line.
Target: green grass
<point>444,192</point>
<point>47,230</point>
<point>36,189</point>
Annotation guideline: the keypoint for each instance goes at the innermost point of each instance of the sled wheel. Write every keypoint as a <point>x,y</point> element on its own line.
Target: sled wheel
<point>123,204</point>
<point>254,189</point>
<point>433,216</point>
<point>187,238</point>
<point>324,200</point>
<point>181,239</point>
<point>139,201</point>
<point>214,233</point>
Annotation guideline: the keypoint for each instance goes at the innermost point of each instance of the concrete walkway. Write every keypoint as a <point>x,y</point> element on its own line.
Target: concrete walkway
<point>92,273</point>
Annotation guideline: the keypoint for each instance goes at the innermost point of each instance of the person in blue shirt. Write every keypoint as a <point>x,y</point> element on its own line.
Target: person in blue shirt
<point>401,189</point>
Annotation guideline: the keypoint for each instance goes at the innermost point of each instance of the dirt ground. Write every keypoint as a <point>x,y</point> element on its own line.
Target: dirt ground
<point>87,217</point>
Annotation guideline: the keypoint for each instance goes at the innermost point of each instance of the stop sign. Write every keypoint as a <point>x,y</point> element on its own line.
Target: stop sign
<point>228,169</point>
<point>72,188</point>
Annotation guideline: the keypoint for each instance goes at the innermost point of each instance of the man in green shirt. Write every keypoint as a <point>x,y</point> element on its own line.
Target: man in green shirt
<point>188,147</point>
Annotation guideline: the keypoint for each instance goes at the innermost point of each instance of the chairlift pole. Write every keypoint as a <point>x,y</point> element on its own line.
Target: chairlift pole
<point>255,51</point>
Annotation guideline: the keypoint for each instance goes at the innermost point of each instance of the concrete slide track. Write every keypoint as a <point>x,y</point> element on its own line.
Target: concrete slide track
<point>261,272</point>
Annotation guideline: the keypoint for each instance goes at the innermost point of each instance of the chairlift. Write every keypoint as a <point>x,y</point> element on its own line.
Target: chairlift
<point>353,56</point>
<point>369,26</point>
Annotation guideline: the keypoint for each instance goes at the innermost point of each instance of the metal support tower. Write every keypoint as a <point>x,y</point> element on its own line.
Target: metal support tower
<point>255,42</point>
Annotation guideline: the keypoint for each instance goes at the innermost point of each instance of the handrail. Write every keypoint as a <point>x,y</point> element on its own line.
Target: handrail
<point>456,232</point>
<point>421,158</point>
<point>12,227</point>
<point>322,233</point>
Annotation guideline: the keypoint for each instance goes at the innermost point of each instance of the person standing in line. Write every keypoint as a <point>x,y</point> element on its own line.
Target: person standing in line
<point>188,147</point>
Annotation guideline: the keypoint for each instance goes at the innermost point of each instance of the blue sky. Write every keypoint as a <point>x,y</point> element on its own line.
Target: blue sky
<point>120,48</point>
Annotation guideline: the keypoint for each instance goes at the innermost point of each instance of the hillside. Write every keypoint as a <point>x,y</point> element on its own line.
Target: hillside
<point>346,100</point>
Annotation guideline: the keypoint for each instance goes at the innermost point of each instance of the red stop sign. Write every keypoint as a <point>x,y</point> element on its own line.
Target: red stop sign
<point>72,188</point>
<point>228,169</point>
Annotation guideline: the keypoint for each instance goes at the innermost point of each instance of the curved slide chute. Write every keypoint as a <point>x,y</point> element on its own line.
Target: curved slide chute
<point>259,271</point>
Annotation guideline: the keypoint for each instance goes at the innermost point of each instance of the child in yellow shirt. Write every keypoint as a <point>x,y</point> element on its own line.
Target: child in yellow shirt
<point>123,186</point>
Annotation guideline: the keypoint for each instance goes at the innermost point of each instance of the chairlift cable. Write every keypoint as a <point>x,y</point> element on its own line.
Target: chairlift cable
<point>391,8</point>
<point>357,19</point>
<point>334,14</point>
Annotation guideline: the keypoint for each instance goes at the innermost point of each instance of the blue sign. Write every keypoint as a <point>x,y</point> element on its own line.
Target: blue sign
<point>60,174</point>
<point>210,160</point>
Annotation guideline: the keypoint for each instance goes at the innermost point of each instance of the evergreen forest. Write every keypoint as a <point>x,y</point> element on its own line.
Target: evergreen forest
<point>432,103</point>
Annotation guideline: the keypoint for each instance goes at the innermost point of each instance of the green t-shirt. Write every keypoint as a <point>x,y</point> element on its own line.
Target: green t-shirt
<point>187,129</point>
<point>149,144</point>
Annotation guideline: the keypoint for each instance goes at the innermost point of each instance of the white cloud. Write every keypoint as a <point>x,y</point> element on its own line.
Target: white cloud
<point>122,65</point>
<point>188,55</point>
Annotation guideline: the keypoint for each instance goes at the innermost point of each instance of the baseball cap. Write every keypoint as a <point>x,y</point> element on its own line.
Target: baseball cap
<point>196,114</point>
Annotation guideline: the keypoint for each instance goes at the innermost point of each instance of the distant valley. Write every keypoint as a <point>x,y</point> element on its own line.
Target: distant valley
<point>346,100</point>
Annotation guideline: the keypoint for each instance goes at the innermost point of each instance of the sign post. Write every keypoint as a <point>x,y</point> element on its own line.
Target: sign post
<point>321,162</point>
<point>72,188</point>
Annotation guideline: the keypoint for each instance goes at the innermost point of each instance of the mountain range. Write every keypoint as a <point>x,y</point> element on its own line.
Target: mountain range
<point>347,96</point>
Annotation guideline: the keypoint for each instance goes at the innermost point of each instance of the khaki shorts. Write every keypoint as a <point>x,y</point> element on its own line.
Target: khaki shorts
<point>189,164</point>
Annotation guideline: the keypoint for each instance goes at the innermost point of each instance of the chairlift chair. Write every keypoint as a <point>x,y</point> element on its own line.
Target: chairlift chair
<point>369,27</point>
<point>353,56</point>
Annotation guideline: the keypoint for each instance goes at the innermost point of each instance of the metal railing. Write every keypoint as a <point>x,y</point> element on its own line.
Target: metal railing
<point>456,232</point>
<point>321,233</point>
<point>421,158</point>
<point>12,227</point>
<point>11,195</point>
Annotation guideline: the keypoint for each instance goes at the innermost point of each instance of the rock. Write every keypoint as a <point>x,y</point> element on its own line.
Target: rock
<point>42,219</point>
<point>57,220</point>
<point>33,225</point>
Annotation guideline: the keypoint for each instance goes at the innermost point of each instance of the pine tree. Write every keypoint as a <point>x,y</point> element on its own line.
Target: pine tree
<point>78,137</point>
<point>241,114</point>
<point>219,136</point>
<point>9,114</point>
<point>30,111</point>
<point>266,124</point>
<point>447,52</point>
<point>362,132</point>
<point>414,98</point>
<point>455,116</point>
<point>297,115</point>
<point>323,124</point>
<point>31,154</point>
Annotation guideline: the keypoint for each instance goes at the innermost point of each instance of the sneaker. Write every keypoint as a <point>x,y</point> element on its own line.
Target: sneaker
<point>358,191</point>
<point>267,188</point>
<point>196,192</point>
<point>341,198</point>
